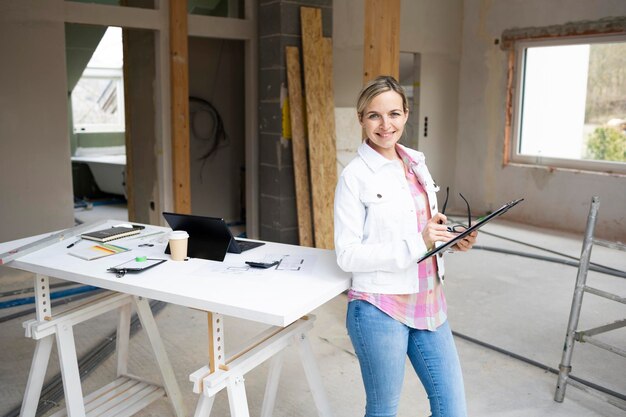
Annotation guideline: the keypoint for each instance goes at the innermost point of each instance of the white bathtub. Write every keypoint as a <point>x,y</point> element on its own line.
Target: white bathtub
<point>109,171</point>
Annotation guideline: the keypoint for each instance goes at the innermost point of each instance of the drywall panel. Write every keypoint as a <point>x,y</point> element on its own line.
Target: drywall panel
<point>439,90</point>
<point>554,198</point>
<point>348,40</point>
<point>35,168</point>
<point>431,27</point>
<point>80,43</point>
<point>349,134</point>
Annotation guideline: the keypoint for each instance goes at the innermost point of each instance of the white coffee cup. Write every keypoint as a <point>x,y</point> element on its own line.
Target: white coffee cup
<point>178,245</point>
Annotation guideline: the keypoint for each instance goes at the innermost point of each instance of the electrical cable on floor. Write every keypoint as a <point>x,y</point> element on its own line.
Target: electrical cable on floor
<point>540,365</point>
<point>575,263</point>
<point>29,290</point>
<point>53,296</point>
<point>594,267</point>
<point>605,268</point>
<point>56,303</point>
<point>52,391</point>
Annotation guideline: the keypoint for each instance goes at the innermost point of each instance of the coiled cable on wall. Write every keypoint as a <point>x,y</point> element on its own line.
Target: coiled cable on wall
<point>217,133</point>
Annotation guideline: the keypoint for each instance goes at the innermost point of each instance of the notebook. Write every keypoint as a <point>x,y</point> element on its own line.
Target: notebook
<point>96,251</point>
<point>209,237</point>
<point>111,233</point>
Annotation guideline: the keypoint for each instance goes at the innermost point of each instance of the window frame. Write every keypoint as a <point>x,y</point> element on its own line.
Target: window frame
<point>517,64</point>
<point>115,74</point>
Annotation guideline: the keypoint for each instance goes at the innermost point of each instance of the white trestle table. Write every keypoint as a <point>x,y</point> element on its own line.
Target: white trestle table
<point>282,297</point>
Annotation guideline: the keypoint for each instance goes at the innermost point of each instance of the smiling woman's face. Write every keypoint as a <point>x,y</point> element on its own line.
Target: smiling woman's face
<point>383,121</point>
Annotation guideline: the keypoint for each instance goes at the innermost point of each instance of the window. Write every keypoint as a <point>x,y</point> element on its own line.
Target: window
<point>98,97</point>
<point>569,108</point>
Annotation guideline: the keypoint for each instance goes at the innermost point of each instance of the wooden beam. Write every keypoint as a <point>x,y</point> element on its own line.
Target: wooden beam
<point>299,146</point>
<point>179,87</point>
<point>510,97</point>
<point>605,26</point>
<point>382,39</point>
<point>320,108</point>
<point>129,175</point>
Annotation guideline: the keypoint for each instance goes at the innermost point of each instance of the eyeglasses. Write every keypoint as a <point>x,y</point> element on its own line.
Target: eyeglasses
<point>457,228</point>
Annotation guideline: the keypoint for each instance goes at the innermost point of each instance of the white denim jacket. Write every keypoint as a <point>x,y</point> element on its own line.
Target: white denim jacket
<point>376,234</point>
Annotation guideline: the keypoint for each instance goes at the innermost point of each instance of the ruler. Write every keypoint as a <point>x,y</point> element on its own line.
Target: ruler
<point>47,241</point>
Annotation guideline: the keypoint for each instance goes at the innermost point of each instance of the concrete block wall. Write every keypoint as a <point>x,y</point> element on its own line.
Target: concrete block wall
<point>279,26</point>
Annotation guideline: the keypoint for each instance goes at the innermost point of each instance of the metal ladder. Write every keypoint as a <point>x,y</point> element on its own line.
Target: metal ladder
<point>573,335</point>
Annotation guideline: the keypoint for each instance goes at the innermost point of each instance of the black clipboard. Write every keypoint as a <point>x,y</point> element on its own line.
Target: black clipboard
<point>475,226</point>
<point>134,266</point>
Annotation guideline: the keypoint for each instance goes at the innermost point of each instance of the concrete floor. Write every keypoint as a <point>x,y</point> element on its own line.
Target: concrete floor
<point>512,302</point>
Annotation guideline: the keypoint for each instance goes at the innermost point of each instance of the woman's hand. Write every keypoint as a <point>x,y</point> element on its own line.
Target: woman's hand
<point>467,242</point>
<point>436,231</point>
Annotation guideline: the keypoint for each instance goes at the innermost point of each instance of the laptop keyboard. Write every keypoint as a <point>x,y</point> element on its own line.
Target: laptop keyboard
<point>244,245</point>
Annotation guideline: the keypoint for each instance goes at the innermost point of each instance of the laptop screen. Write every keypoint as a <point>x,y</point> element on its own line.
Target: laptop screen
<point>209,237</point>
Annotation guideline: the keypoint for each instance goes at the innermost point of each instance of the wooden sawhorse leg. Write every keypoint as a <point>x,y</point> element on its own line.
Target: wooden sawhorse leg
<point>167,372</point>
<point>69,371</point>
<point>313,376</point>
<point>204,406</point>
<point>36,376</point>
<point>271,387</point>
<point>237,400</point>
<point>269,345</point>
<point>136,393</point>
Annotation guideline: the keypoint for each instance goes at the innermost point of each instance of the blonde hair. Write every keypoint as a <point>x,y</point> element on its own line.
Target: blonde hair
<point>378,86</point>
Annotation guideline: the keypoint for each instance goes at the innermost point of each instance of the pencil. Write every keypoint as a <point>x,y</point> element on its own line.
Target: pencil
<point>114,247</point>
<point>146,235</point>
<point>105,249</point>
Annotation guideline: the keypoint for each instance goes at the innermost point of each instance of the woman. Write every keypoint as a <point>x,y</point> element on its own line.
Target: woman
<point>385,219</point>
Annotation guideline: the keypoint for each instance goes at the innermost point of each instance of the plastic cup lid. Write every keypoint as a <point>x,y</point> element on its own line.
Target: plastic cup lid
<point>179,234</point>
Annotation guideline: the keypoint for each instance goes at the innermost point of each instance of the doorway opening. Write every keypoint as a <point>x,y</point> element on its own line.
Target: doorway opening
<point>94,57</point>
<point>217,126</point>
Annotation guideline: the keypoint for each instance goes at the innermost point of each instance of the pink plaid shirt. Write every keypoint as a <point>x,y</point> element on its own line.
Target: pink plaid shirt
<point>426,309</point>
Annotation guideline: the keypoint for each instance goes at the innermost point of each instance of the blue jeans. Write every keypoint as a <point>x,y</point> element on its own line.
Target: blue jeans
<point>382,344</point>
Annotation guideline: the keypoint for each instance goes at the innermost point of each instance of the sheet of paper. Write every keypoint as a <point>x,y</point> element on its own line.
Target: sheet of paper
<point>291,263</point>
<point>300,264</point>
